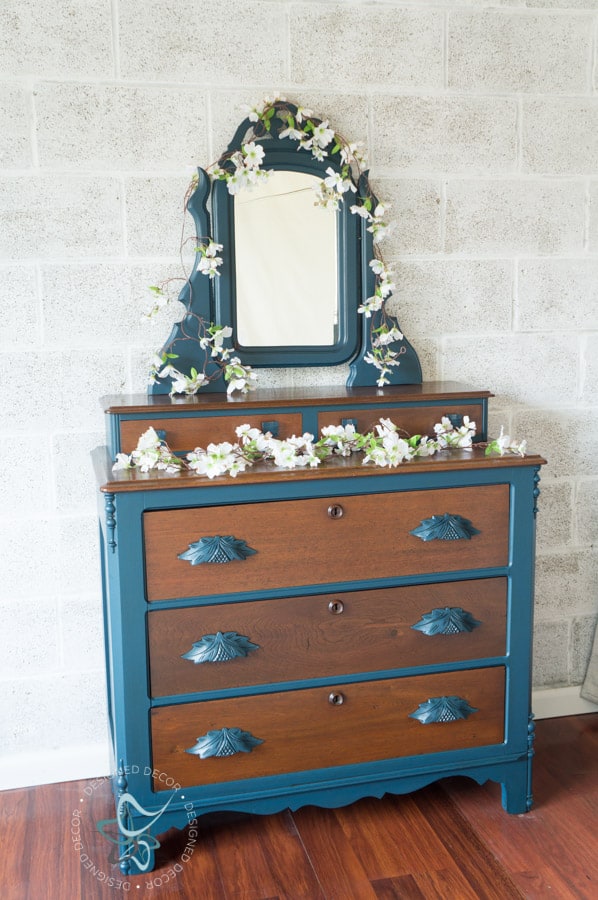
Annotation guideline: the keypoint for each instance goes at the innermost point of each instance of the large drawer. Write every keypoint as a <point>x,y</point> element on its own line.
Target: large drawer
<point>185,433</point>
<point>295,638</point>
<point>327,726</point>
<point>322,540</point>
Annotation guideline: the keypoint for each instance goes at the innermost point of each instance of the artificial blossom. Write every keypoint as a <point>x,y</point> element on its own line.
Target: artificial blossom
<point>386,445</point>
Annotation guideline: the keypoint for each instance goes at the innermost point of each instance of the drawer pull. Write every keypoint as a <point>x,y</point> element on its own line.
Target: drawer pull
<point>447,620</point>
<point>224,742</point>
<point>335,511</point>
<point>442,709</point>
<point>272,426</point>
<point>445,528</point>
<point>336,698</point>
<point>336,607</point>
<point>216,549</point>
<point>220,647</point>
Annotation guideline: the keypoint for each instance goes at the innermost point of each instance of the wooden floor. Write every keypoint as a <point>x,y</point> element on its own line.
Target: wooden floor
<point>451,841</point>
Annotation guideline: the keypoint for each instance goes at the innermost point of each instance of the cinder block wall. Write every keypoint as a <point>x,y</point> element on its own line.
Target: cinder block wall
<point>482,125</point>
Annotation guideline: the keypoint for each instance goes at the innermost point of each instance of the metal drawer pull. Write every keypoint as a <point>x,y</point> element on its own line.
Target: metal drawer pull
<point>272,426</point>
<point>216,549</point>
<point>336,607</point>
<point>336,698</point>
<point>445,528</point>
<point>442,709</point>
<point>224,742</point>
<point>447,620</point>
<point>335,511</point>
<point>220,647</point>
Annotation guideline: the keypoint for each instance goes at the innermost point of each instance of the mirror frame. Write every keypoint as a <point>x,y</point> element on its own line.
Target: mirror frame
<point>212,300</point>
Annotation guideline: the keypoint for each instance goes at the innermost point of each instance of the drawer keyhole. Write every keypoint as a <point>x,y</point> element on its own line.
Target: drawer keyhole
<point>336,699</point>
<point>336,607</point>
<point>335,511</point>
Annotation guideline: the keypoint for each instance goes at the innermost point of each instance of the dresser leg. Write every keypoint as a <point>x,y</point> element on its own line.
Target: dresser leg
<point>516,788</point>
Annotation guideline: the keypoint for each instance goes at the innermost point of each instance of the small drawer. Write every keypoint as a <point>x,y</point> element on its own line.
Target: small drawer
<point>265,641</point>
<point>271,734</point>
<point>250,547</point>
<point>185,433</point>
<point>412,420</point>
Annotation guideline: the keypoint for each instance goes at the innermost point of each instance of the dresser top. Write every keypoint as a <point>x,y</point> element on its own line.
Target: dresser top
<point>451,460</point>
<point>300,396</point>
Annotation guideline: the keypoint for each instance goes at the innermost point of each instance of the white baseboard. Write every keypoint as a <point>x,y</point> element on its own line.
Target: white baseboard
<point>93,761</point>
<point>71,764</point>
<point>550,703</point>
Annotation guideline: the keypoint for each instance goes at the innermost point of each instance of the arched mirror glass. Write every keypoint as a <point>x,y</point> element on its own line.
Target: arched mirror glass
<point>279,230</point>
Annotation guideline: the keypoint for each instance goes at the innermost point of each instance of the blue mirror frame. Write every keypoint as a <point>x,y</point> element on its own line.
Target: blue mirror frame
<point>214,300</point>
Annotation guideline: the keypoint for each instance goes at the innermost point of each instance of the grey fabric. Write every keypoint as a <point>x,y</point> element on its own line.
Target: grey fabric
<point>589,689</point>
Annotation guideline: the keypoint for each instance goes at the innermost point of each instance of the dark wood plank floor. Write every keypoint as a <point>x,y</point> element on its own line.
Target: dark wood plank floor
<point>451,840</point>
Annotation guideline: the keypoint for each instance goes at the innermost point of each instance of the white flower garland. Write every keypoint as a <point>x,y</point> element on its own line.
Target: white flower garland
<point>385,446</point>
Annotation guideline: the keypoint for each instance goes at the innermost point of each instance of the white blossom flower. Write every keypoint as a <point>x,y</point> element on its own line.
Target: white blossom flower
<point>302,114</point>
<point>370,305</point>
<point>322,134</point>
<point>217,459</point>
<point>384,338</point>
<point>292,133</point>
<point>123,461</point>
<point>449,436</point>
<point>254,154</point>
<point>361,211</point>
<point>503,444</point>
<point>318,153</point>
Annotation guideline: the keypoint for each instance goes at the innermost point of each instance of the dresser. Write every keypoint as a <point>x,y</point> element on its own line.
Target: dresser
<point>314,636</point>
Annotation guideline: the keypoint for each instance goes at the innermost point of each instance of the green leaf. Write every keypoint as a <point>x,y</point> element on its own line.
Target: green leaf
<point>336,148</point>
<point>193,373</point>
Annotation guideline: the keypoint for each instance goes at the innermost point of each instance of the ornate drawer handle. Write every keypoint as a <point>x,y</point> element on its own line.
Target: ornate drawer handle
<point>216,549</point>
<point>445,528</point>
<point>442,709</point>
<point>447,620</point>
<point>335,511</point>
<point>220,647</point>
<point>224,742</point>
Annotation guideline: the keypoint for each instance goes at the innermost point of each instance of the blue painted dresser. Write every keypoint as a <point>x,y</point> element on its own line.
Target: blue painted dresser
<point>346,652</point>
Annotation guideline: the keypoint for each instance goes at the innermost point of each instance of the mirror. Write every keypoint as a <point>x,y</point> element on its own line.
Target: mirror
<point>287,264</point>
<point>279,230</point>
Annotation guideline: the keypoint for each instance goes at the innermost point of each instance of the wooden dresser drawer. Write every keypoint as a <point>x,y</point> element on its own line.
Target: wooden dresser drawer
<point>323,540</point>
<point>327,726</point>
<point>412,420</point>
<point>187,433</point>
<point>296,638</point>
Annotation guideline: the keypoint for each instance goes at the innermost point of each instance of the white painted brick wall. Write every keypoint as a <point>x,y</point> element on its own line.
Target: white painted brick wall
<point>482,122</point>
